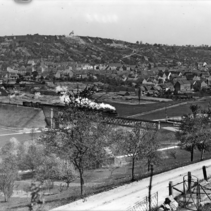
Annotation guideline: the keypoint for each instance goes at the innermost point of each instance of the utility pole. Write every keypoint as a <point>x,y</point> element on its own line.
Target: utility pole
<point>150,188</point>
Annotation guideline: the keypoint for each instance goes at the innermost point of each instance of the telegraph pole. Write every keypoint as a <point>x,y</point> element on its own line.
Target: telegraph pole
<point>150,188</point>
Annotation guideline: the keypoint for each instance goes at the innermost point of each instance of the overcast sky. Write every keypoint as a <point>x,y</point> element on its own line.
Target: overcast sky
<point>167,22</point>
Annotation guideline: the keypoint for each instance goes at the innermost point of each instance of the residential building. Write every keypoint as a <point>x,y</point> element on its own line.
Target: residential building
<point>182,86</point>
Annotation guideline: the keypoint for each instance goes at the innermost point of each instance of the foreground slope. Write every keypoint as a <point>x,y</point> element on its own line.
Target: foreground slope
<point>126,196</point>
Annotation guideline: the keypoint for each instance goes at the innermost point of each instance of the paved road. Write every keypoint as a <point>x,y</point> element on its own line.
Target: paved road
<point>125,196</point>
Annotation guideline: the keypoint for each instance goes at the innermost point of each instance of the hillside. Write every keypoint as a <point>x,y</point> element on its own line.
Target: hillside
<point>21,117</point>
<point>95,50</point>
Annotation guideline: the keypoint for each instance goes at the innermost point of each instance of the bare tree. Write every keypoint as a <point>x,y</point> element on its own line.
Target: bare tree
<point>137,143</point>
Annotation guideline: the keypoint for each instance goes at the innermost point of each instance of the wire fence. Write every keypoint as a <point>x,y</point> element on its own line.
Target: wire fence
<point>143,205</point>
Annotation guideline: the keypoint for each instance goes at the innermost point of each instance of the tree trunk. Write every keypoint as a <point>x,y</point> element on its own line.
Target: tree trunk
<point>149,164</point>
<point>5,197</point>
<point>133,169</point>
<point>81,182</point>
<point>202,153</point>
<point>68,185</point>
<point>192,152</point>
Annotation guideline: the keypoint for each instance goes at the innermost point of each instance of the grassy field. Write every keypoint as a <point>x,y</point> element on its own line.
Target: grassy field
<point>175,111</point>
<point>100,180</point>
<point>20,117</point>
<point>127,110</point>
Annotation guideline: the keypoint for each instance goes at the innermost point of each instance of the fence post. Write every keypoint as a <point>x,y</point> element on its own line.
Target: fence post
<point>204,172</point>
<point>170,188</point>
<point>158,126</point>
<point>189,181</point>
<point>184,189</point>
<point>198,197</point>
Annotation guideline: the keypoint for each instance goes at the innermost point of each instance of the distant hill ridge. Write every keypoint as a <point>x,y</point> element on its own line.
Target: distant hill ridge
<point>96,50</point>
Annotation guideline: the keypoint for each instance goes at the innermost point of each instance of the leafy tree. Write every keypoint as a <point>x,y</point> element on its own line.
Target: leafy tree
<point>204,132</point>
<point>8,169</point>
<point>47,172</point>
<point>31,156</point>
<point>195,109</point>
<point>195,131</point>
<point>188,133</point>
<point>66,172</point>
<point>80,139</point>
<point>8,176</point>
<point>139,143</point>
<point>44,168</point>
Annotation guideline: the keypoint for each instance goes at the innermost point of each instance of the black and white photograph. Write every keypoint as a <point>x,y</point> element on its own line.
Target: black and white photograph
<point>105,105</point>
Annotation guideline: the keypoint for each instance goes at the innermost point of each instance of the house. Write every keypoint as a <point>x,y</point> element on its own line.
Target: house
<point>197,78</point>
<point>31,62</point>
<point>64,74</point>
<point>190,75</point>
<point>81,76</point>
<point>22,70</point>
<point>122,93</point>
<point>100,67</point>
<point>13,76</point>
<point>204,85</point>
<point>148,87</point>
<point>114,66</point>
<point>162,77</point>
<point>209,81</point>
<point>145,82</point>
<point>47,92</point>
<point>205,74</point>
<point>58,74</point>
<point>3,92</point>
<point>182,86</point>
<point>122,73</point>
<point>167,86</point>
<point>157,87</point>
<point>174,73</point>
<point>27,77</point>
<point>199,85</point>
<point>174,80</point>
<point>86,67</point>
<point>132,79</point>
<point>3,75</point>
